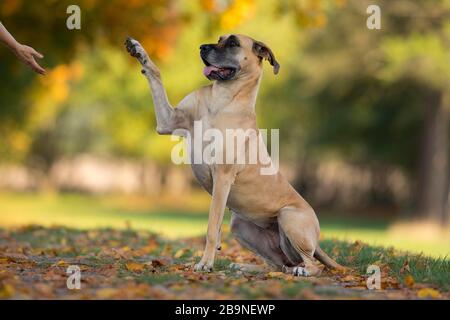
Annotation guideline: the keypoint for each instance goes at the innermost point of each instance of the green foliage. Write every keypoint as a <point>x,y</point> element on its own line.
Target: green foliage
<point>42,24</point>
<point>359,94</point>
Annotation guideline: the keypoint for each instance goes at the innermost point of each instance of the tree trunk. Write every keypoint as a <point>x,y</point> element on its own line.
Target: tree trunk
<point>433,174</point>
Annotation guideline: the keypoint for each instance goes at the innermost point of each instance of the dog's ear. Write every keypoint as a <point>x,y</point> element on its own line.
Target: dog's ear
<point>264,52</point>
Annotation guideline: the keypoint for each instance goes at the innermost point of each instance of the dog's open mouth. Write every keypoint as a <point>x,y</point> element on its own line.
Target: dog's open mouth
<point>218,73</point>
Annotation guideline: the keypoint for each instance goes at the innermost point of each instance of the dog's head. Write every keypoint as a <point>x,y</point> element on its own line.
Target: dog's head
<point>235,56</point>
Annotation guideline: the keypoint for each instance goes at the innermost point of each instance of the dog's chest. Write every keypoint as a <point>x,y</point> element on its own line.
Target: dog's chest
<point>206,132</point>
<point>202,171</point>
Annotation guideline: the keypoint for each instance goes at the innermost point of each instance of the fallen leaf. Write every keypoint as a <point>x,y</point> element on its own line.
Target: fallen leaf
<point>135,266</point>
<point>409,281</point>
<point>61,263</point>
<point>275,274</point>
<point>160,262</point>
<point>108,270</point>
<point>181,253</point>
<point>16,257</point>
<point>150,247</point>
<point>428,293</point>
<point>106,293</point>
<point>7,291</point>
<point>349,278</point>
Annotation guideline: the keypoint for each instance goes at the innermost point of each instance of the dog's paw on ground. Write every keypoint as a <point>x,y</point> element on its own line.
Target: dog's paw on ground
<point>203,267</point>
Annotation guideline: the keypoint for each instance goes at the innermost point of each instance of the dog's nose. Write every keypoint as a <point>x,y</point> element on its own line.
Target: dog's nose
<point>205,48</point>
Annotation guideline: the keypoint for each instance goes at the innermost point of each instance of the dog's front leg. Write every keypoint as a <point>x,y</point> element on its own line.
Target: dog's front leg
<point>167,118</point>
<point>221,189</point>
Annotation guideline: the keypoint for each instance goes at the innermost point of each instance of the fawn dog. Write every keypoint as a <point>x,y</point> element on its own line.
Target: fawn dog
<point>268,216</point>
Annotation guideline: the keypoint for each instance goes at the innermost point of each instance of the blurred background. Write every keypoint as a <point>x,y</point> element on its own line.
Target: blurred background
<point>363,114</point>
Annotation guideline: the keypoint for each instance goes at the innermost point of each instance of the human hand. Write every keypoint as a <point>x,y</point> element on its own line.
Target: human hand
<point>27,55</point>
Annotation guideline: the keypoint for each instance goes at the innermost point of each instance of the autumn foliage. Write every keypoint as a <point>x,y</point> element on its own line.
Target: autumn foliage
<point>133,264</point>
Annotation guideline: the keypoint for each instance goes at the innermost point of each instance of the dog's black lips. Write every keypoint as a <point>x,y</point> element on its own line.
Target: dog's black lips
<point>205,62</point>
<point>224,73</point>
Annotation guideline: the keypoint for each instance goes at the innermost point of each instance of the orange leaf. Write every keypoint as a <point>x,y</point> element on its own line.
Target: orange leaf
<point>135,267</point>
<point>409,281</point>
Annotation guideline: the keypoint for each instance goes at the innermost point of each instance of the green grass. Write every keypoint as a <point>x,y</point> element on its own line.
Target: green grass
<point>422,268</point>
<point>85,212</point>
<point>162,279</point>
<point>43,251</point>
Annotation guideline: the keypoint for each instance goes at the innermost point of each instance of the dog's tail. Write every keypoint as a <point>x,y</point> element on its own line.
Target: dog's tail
<point>320,255</point>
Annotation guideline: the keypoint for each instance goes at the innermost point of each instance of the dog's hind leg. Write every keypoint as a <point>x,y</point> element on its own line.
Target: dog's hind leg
<point>299,236</point>
<point>265,242</point>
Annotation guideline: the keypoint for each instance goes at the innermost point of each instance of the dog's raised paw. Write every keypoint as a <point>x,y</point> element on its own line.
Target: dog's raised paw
<point>129,44</point>
<point>135,49</point>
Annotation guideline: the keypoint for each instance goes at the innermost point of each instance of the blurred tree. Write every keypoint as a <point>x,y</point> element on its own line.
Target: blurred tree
<point>55,116</point>
<point>366,94</point>
<point>423,54</point>
<point>363,96</point>
<point>43,25</point>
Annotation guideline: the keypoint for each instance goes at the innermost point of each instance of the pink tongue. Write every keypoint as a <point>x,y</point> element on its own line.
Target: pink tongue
<point>207,71</point>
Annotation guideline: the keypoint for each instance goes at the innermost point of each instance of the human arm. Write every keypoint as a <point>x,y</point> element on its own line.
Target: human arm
<point>25,53</point>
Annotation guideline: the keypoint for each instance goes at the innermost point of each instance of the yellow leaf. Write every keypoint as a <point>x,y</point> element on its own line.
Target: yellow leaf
<point>180,253</point>
<point>428,293</point>
<point>106,293</point>
<point>61,263</point>
<point>149,248</point>
<point>409,281</point>
<point>134,266</point>
<point>275,274</point>
<point>7,291</point>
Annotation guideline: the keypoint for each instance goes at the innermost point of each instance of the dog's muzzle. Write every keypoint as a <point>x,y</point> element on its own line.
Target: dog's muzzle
<point>215,71</point>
